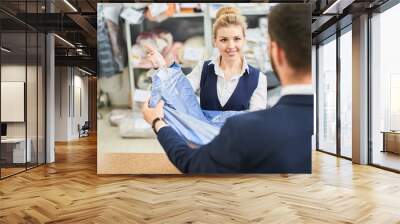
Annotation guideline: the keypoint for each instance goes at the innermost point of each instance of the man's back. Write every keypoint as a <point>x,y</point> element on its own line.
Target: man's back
<point>277,140</point>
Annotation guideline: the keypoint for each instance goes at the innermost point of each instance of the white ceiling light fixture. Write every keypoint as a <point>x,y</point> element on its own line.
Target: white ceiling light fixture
<point>80,51</point>
<point>5,50</point>
<point>65,41</point>
<point>84,71</point>
<point>70,5</point>
<point>338,6</point>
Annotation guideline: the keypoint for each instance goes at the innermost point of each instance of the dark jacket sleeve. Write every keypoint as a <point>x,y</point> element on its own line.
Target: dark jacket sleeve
<point>221,155</point>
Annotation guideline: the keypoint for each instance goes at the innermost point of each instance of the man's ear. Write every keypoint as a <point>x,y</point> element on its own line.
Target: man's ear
<point>274,51</point>
<point>280,58</point>
<point>269,48</point>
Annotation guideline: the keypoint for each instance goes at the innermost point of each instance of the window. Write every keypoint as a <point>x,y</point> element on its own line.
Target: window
<point>346,92</point>
<point>327,96</point>
<point>385,89</point>
<point>22,74</point>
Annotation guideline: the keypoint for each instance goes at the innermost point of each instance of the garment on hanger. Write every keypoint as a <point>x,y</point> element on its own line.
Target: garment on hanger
<point>107,65</point>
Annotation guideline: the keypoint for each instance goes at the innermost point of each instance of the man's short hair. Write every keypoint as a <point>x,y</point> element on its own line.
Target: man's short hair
<point>289,25</point>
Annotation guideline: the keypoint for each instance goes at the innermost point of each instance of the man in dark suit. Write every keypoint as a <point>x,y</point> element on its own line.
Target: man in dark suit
<point>276,140</point>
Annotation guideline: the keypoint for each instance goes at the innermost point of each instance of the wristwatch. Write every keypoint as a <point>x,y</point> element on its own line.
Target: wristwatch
<point>153,124</point>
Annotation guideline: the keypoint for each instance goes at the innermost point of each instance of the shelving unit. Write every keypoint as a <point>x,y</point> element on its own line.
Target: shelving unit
<point>260,12</point>
<point>207,32</point>
<point>187,15</point>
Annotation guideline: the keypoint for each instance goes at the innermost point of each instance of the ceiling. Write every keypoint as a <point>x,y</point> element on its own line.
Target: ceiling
<point>332,15</point>
<point>75,21</point>
<point>72,20</point>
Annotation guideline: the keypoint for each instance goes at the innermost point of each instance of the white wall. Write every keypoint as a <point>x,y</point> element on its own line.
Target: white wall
<point>82,82</point>
<point>12,73</point>
<point>79,117</point>
<point>33,126</point>
<point>61,103</point>
<point>69,82</point>
<point>12,101</point>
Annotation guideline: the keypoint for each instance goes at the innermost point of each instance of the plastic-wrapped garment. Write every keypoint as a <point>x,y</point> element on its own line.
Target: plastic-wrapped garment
<point>134,126</point>
<point>182,110</point>
<point>131,124</point>
<point>116,115</point>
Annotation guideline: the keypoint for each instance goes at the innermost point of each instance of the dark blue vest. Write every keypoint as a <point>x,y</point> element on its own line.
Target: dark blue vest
<point>240,98</point>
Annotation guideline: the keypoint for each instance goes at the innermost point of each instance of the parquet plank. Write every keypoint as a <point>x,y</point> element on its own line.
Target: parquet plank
<point>70,191</point>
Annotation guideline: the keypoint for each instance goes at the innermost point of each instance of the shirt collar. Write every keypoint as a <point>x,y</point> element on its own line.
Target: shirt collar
<point>215,61</point>
<point>298,89</point>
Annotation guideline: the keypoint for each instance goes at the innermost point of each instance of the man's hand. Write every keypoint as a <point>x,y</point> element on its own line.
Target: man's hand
<point>150,114</point>
<point>156,59</point>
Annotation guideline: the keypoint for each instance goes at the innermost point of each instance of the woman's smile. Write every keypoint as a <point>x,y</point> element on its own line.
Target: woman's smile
<point>231,52</point>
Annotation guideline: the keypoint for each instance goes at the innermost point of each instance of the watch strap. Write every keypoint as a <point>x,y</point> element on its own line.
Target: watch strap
<point>153,124</point>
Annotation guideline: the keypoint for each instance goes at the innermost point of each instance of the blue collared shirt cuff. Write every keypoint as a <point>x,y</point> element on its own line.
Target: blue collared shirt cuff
<point>175,65</point>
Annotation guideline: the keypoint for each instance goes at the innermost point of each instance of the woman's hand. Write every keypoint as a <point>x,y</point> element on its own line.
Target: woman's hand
<point>156,59</point>
<point>149,114</point>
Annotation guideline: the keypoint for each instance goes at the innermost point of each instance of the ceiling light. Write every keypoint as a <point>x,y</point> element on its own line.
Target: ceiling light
<point>64,40</point>
<point>338,6</point>
<point>70,5</point>
<point>84,71</point>
<point>5,49</point>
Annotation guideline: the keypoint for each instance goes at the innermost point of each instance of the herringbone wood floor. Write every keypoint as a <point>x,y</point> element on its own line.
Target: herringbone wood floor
<point>69,191</point>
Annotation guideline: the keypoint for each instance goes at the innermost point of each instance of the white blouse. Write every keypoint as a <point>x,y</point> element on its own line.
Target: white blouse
<point>225,88</point>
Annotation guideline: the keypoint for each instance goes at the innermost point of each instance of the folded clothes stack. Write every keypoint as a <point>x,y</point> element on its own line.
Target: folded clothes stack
<point>158,12</point>
<point>192,52</point>
<point>187,54</point>
<point>161,40</point>
<point>255,49</point>
<point>144,80</point>
<point>188,7</point>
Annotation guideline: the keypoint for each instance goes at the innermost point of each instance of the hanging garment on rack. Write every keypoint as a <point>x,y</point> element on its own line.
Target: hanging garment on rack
<point>118,45</point>
<point>182,110</point>
<point>107,66</point>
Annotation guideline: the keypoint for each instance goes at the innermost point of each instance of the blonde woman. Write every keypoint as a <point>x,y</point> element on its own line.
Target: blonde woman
<point>226,81</point>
